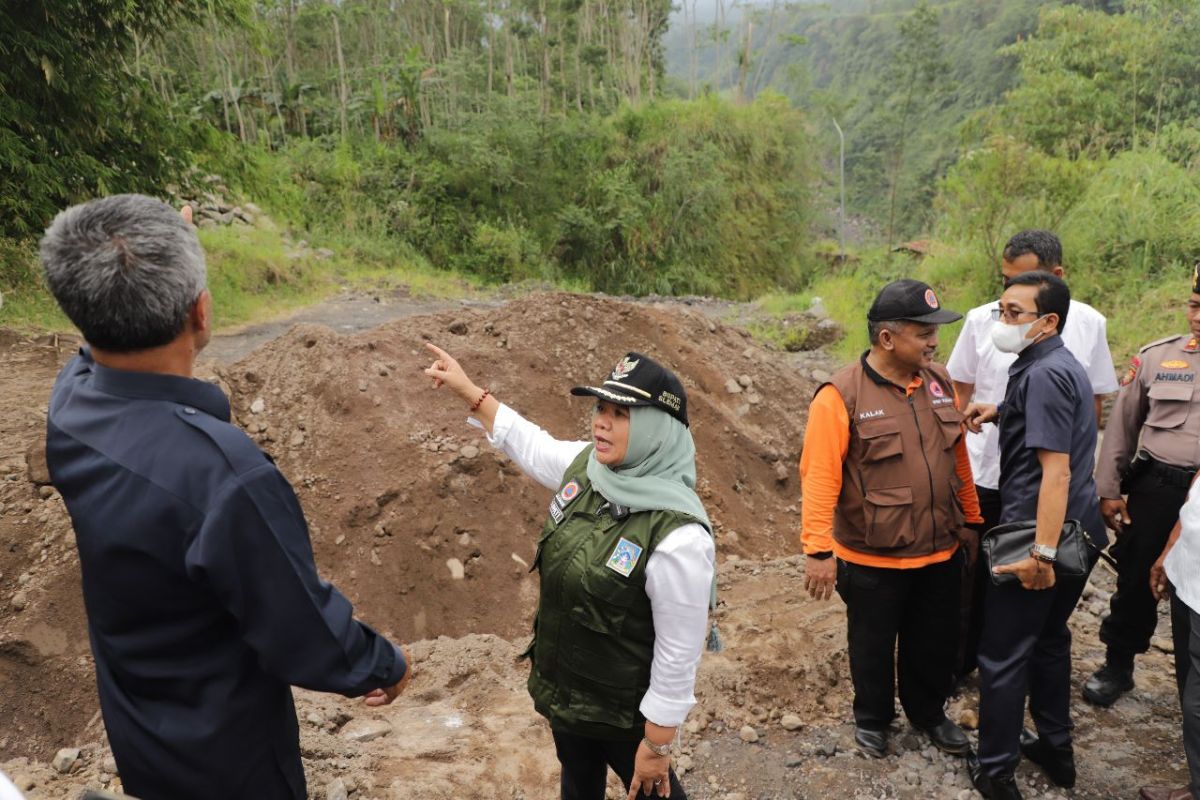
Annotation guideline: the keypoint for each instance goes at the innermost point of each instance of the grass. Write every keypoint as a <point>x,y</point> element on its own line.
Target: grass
<point>1140,308</point>
<point>254,273</point>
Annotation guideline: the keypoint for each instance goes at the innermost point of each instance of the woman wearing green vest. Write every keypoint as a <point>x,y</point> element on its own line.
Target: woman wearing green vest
<point>626,562</point>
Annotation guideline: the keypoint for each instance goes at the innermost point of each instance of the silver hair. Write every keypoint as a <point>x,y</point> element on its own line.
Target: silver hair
<point>125,269</point>
<point>875,326</point>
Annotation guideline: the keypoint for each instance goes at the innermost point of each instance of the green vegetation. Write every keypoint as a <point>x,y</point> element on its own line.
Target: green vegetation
<point>581,144</point>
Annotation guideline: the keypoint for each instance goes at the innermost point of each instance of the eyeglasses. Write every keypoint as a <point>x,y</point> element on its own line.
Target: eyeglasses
<point>1009,315</point>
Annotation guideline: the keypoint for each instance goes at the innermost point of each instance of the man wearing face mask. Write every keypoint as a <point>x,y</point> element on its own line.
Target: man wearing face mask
<point>1047,428</point>
<point>1151,451</point>
<point>887,491</point>
<point>980,372</point>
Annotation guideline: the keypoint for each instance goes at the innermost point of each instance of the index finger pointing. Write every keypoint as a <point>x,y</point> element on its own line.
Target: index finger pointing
<point>439,352</point>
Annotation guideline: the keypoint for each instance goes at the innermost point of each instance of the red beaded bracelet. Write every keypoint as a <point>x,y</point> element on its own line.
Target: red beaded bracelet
<point>479,402</point>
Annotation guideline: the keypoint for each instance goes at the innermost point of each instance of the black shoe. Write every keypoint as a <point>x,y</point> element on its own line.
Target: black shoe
<point>1107,684</point>
<point>999,787</point>
<point>872,743</point>
<point>948,737</point>
<point>1057,762</point>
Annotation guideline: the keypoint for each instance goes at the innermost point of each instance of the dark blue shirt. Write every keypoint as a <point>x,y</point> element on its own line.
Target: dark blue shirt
<point>1048,405</point>
<point>202,597</point>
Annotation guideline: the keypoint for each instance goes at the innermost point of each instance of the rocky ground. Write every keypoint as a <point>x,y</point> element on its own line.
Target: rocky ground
<point>424,526</point>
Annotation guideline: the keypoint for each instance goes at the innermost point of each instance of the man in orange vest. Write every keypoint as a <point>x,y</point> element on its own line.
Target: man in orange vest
<point>887,497</point>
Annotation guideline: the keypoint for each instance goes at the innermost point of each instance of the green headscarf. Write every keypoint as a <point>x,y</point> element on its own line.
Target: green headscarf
<point>659,469</point>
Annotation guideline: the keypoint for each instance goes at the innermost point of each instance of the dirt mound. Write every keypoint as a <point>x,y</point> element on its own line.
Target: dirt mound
<point>402,494</point>
<point>422,523</point>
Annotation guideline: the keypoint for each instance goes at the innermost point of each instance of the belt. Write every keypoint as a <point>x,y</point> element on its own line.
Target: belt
<point>1179,477</point>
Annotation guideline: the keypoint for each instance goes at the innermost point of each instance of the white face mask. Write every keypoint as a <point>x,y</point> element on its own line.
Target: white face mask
<point>1012,338</point>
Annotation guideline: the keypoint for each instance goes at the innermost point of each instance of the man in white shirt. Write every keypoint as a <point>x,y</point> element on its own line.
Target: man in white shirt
<point>980,370</point>
<point>1178,568</point>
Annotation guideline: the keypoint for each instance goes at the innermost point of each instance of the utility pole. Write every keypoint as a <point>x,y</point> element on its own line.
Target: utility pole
<point>842,181</point>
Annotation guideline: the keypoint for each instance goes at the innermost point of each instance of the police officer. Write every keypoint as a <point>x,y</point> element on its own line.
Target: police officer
<point>626,560</point>
<point>887,493</point>
<point>1150,453</point>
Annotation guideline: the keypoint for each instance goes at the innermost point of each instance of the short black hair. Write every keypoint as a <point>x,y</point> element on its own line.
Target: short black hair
<point>1043,244</point>
<point>1053,297</point>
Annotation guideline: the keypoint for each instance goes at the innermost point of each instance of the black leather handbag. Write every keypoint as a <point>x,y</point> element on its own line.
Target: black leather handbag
<point>1008,544</point>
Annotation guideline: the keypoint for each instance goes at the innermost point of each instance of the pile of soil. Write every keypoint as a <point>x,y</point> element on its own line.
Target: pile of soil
<point>430,531</point>
<point>422,523</point>
<point>413,515</point>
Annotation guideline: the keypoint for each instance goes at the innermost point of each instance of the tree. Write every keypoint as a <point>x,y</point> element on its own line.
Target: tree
<point>919,70</point>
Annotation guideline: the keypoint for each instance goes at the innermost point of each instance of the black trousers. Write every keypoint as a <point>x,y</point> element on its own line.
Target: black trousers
<point>585,764</point>
<point>1181,637</point>
<point>1025,650</point>
<point>1133,615</point>
<point>901,623</point>
<point>975,579</point>
<point>1190,698</point>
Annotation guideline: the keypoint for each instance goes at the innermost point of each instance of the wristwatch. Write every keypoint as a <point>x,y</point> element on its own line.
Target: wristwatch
<point>658,749</point>
<point>1044,552</point>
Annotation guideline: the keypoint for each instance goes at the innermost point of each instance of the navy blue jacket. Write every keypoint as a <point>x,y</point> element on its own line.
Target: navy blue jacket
<point>1048,405</point>
<point>202,597</point>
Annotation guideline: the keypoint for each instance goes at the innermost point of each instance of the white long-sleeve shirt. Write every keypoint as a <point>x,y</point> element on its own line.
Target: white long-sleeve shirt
<point>678,575</point>
<point>1182,564</point>
<point>976,360</point>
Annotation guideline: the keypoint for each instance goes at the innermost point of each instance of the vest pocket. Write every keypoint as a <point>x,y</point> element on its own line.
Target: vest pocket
<point>950,421</point>
<point>1170,406</point>
<point>880,438</point>
<point>889,517</point>
<point>604,604</point>
<point>604,688</point>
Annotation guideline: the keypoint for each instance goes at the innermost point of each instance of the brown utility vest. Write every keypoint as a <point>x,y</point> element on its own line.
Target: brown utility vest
<point>899,484</point>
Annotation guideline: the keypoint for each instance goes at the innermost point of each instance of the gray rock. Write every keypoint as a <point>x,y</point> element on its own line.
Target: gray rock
<point>745,380</point>
<point>458,328</point>
<point>64,759</point>
<point>457,572</point>
<point>469,451</point>
<point>365,730</point>
<point>827,750</point>
<point>336,790</point>
<point>109,765</point>
<point>258,406</point>
<point>794,762</point>
<point>20,601</point>
<point>791,722</point>
<point>297,439</point>
<point>733,387</point>
<point>748,734</point>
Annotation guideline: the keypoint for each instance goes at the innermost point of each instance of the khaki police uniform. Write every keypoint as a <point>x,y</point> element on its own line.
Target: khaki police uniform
<point>1151,451</point>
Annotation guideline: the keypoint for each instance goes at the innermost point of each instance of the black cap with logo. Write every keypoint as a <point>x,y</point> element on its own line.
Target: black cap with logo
<point>910,300</point>
<point>639,380</point>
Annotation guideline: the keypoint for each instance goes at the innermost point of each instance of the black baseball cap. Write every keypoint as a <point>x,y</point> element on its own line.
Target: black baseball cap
<point>910,300</point>
<point>639,380</point>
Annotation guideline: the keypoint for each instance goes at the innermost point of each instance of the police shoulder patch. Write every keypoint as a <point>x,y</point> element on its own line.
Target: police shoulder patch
<point>1164,340</point>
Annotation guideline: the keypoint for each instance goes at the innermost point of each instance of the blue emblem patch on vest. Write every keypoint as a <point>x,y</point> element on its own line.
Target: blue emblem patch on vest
<point>568,493</point>
<point>624,557</point>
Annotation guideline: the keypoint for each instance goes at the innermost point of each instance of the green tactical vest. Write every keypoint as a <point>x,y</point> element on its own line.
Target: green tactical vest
<point>593,636</point>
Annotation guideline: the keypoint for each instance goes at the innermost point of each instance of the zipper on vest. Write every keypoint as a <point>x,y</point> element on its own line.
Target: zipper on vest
<point>928,472</point>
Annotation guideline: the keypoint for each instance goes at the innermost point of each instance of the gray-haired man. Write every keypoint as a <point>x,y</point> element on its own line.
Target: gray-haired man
<point>202,597</point>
